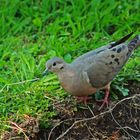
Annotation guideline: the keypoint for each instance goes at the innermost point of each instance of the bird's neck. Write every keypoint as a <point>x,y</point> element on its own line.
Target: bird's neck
<point>68,71</point>
<point>66,77</point>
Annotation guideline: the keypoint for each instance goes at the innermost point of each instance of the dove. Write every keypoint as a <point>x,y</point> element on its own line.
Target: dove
<point>94,70</point>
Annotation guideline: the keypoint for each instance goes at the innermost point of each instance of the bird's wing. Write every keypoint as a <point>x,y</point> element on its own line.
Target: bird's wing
<point>104,66</point>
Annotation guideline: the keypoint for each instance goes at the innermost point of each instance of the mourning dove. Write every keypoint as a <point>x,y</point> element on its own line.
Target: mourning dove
<point>93,70</point>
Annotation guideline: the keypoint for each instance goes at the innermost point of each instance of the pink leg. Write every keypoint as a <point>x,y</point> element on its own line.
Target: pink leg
<point>83,99</point>
<point>105,101</point>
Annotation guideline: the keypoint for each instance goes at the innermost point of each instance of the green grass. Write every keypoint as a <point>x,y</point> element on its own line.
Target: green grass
<point>32,32</point>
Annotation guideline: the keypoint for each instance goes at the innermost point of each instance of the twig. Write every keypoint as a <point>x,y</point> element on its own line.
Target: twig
<point>91,111</point>
<point>127,127</point>
<point>86,119</point>
<point>89,131</point>
<point>20,129</point>
<point>58,125</point>
<point>16,127</point>
<point>121,127</point>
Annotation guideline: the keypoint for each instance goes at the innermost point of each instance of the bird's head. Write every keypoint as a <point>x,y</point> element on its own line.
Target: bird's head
<point>55,65</point>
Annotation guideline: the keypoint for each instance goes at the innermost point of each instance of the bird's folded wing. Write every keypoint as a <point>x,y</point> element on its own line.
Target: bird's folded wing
<point>104,66</point>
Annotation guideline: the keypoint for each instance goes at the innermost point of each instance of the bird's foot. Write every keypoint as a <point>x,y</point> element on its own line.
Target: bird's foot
<point>105,100</point>
<point>83,99</point>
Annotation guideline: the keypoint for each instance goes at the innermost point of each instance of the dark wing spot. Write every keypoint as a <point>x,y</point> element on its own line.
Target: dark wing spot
<point>117,61</point>
<point>110,63</point>
<point>112,56</point>
<point>114,49</point>
<point>119,50</point>
<point>62,68</point>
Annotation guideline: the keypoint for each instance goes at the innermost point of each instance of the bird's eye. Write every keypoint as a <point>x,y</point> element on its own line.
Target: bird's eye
<point>54,64</point>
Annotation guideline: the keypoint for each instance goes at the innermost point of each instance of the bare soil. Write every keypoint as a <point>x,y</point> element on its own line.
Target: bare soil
<point>121,121</point>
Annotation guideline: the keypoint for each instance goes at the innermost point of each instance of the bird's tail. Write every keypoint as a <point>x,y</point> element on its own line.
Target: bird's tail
<point>134,43</point>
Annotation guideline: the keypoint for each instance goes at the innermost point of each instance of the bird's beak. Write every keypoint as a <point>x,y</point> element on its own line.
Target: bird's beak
<point>46,71</point>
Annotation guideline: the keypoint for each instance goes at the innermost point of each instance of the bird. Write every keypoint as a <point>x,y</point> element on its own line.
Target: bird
<point>94,70</point>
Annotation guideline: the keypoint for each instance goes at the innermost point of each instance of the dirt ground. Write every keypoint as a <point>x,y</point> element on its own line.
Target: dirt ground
<point>75,121</point>
<point>121,121</point>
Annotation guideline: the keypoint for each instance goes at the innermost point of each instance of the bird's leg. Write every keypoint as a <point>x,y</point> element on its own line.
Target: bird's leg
<point>105,101</point>
<point>83,99</point>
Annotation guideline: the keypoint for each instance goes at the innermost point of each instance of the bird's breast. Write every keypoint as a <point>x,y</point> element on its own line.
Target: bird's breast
<point>75,85</point>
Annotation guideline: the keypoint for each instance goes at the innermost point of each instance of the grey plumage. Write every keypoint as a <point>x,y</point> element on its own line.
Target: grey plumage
<point>103,64</point>
<point>93,70</point>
